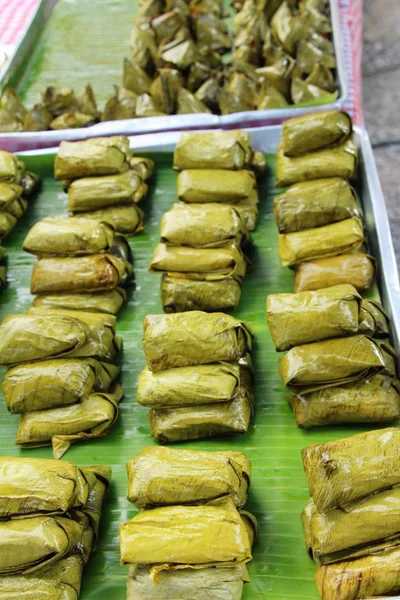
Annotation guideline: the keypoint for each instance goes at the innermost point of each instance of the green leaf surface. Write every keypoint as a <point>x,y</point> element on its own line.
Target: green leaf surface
<point>281,569</point>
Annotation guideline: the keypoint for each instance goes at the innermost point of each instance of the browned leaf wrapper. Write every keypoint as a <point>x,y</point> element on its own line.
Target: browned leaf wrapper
<point>165,89</point>
<point>120,106</point>
<point>146,106</point>
<point>72,120</point>
<point>135,79</point>
<point>373,319</point>
<point>37,119</point>
<point>357,269</point>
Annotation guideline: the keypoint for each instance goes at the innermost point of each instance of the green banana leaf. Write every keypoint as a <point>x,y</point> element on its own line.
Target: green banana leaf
<point>281,568</point>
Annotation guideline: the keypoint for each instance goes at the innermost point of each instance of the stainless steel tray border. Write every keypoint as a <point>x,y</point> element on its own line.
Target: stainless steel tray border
<point>266,139</point>
<point>16,142</point>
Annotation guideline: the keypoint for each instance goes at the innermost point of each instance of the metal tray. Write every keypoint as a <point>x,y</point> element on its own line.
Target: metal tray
<point>15,142</point>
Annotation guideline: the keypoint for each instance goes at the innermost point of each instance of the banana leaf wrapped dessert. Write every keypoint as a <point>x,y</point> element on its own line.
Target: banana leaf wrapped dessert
<point>354,530</point>
<point>321,242</point>
<point>368,577</point>
<point>100,302</point>
<point>340,161</point>
<point>202,536</point>
<point>303,317</point>
<point>373,319</point>
<point>30,486</point>
<point>332,362</point>
<point>180,294</point>
<point>357,269</point>
<point>72,120</point>
<point>311,204</point>
<point>62,426</point>
<point>36,542</point>
<point>10,168</point>
<point>314,132</point>
<point>215,185</point>
<point>92,273</point>
<point>59,581</point>
<point>9,192</point>
<point>372,400</point>
<point>93,157</point>
<point>7,224</point>
<point>203,420</point>
<point>217,150</point>
<point>68,237</point>
<point>126,219</point>
<point>193,338</point>
<point>57,382</point>
<point>188,103</point>
<point>18,208</point>
<point>202,226</point>
<point>143,166</point>
<point>164,476</point>
<point>199,263</point>
<point>207,584</point>
<point>120,106</point>
<point>344,470</point>
<point>94,193</point>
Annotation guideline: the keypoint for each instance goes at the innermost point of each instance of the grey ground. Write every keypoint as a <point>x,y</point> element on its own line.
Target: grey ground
<point>381,99</point>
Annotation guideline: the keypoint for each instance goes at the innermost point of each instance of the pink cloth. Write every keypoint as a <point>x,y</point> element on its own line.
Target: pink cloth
<point>14,17</point>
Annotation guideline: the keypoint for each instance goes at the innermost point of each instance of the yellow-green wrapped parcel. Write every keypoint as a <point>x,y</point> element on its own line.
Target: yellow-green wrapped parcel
<point>107,302</point>
<point>160,476</point>
<point>203,420</point>
<point>215,185</point>
<point>332,362</point>
<point>180,294</point>
<point>216,150</point>
<point>93,193</point>
<point>357,269</point>
<point>68,237</point>
<point>303,317</point>
<point>337,534</point>
<point>7,224</point>
<point>370,401</point>
<point>10,168</point>
<point>311,204</point>
<point>199,263</point>
<point>340,161</point>
<point>36,542</point>
<point>344,470</point>
<point>59,581</point>
<point>313,132</point>
<point>126,219</point>
<point>94,504</point>
<point>92,273</point>
<point>202,226</point>
<point>93,157</point>
<point>321,242</point>
<point>368,577</point>
<point>9,192</point>
<point>193,338</point>
<point>143,166</point>
<point>17,208</point>
<point>373,319</point>
<point>198,536</point>
<point>30,486</point>
<point>207,584</point>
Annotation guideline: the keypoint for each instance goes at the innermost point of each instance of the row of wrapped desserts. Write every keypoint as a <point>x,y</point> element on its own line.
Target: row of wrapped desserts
<point>203,239</point>
<point>351,523</point>
<point>50,514</point>
<point>192,537</point>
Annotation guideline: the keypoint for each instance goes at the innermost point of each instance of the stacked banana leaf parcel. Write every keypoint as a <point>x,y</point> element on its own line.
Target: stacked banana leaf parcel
<point>50,513</point>
<point>191,538</point>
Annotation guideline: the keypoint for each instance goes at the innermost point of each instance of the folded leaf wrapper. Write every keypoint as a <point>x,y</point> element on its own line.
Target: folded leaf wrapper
<point>7,224</point>
<point>356,269</point>
<point>193,338</point>
<point>202,421</point>
<point>367,577</point>
<point>321,242</point>
<point>222,150</point>
<point>175,537</point>
<point>9,192</point>
<point>92,273</point>
<point>337,534</point>
<point>36,542</point>
<point>164,476</point>
<point>68,237</point>
<point>59,581</point>
<point>203,584</point>
<point>207,264</point>
<point>30,486</point>
<point>303,317</point>
<point>340,161</point>
<point>332,362</point>
<point>344,470</point>
<point>373,319</point>
<point>202,226</point>
<point>314,132</point>
<point>125,219</point>
<point>99,302</point>
<point>143,166</point>
<point>94,193</point>
<point>89,158</point>
<point>180,295</point>
<point>311,204</point>
<point>10,170</point>
<point>215,185</point>
<point>373,400</point>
